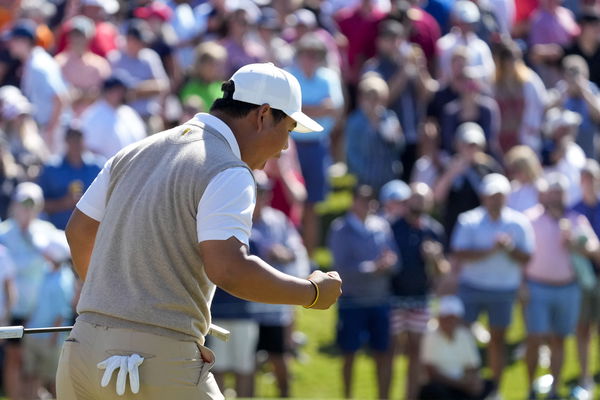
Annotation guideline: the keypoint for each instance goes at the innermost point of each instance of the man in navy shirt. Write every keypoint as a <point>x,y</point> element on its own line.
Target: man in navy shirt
<point>419,240</point>
<point>65,179</point>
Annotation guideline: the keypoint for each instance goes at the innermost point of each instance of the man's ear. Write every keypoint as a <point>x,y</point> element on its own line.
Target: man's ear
<point>262,117</point>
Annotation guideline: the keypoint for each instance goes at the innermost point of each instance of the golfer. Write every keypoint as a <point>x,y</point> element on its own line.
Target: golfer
<point>166,220</point>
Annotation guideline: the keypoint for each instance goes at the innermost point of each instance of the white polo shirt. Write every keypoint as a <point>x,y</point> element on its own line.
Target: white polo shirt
<point>225,208</point>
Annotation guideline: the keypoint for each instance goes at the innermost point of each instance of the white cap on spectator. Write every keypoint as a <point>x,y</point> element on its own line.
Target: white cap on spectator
<point>470,133</point>
<point>53,246</point>
<point>451,305</point>
<point>394,190</point>
<point>466,11</point>
<point>14,103</point>
<point>29,191</point>
<point>264,83</point>
<point>556,181</point>
<point>109,6</point>
<point>557,118</point>
<point>493,184</point>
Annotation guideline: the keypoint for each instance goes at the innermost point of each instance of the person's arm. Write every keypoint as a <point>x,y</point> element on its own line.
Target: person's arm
<point>84,222</point>
<point>59,104</point>
<point>590,98</point>
<point>81,234</point>
<point>229,265</point>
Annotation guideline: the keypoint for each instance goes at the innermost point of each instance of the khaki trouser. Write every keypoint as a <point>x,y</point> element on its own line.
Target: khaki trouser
<point>171,369</point>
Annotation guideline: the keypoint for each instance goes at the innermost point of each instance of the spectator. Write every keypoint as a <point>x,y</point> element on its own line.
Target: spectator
<point>322,99</point>
<point>578,94</point>
<point>424,30</point>
<point>238,356</point>
<point>206,75</point>
<point>105,37</point>
<point>403,66</point>
<point>492,243</point>
<point>458,187</point>
<point>362,248</point>
<point>465,16</point>
<point>63,180</point>
<point>450,90</point>
<point>561,153</point>
<point>289,192</point>
<point>278,243</point>
<point>472,105</point>
<point>373,135</point>
<point>589,314</point>
<point>53,308</point>
<point>305,21</point>
<point>392,198</point>
<point>523,166</point>
<point>521,98</point>
<point>359,24</point>
<point>16,234</point>
<point>587,44</point>
<point>40,12</point>
<point>22,136</point>
<point>241,50</point>
<point>554,297</point>
<point>550,24</point>
<point>430,165</point>
<point>42,83</point>
<point>83,70</point>
<point>157,14</point>
<point>142,67</point>
<point>419,241</point>
<point>276,49</point>
<point>109,124</point>
<point>451,357</point>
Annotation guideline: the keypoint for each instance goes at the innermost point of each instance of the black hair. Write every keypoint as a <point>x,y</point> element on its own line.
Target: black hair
<point>236,108</point>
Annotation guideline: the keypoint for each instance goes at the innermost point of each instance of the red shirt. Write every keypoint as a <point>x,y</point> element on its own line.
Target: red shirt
<point>524,8</point>
<point>425,32</point>
<point>361,32</point>
<point>103,42</point>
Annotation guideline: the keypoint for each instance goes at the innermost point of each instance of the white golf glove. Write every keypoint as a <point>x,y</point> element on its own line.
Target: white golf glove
<point>126,365</point>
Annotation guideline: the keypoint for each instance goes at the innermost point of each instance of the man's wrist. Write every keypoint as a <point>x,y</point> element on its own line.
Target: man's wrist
<point>316,294</point>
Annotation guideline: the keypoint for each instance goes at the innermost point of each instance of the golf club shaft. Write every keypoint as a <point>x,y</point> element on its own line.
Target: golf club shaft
<point>16,332</point>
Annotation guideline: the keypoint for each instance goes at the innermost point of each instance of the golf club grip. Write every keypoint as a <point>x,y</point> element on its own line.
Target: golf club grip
<point>50,329</point>
<point>219,332</point>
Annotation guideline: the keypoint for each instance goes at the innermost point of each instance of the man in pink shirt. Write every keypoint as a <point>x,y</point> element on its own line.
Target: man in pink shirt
<point>553,293</point>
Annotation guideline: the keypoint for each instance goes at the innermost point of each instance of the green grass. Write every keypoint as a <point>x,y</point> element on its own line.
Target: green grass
<point>320,376</point>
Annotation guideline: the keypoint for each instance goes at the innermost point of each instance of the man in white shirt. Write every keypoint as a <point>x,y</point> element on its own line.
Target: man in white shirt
<point>109,124</point>
<point>172,215</point>
<point>465,16</point>
<point>451,357</point>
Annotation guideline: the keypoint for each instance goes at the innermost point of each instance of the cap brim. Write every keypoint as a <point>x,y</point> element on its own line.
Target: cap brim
<point>305,123</point>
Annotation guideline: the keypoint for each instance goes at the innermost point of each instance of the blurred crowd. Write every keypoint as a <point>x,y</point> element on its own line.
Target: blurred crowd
<point>471,128</point>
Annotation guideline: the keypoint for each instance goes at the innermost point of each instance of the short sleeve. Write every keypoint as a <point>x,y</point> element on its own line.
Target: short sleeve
<point>525,240</point>
<point>461,239</point>
<point>226,207</point>
<point>470,353</point>
<point>93,201</point>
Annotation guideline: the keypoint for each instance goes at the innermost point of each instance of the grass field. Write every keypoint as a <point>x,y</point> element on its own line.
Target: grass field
<point>319,377</point>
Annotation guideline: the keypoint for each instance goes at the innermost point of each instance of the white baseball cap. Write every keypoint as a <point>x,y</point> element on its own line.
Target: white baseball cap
<point>110,6</point>
<point>451,305</point>
<point>493,184</point>
<point>470,133</point>
<point>267,84</point>
<point>466,12</point>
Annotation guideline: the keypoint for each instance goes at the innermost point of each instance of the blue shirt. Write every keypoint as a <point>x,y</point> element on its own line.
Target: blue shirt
<point>42,81</point>
<point>58,177</point>
<point>475,230</point>
<point>588,129</point>
<point>324,84</point>
<point>274,228</point>
<point>412,280</point>
<point>54,299</point>
<point>30,264</point>
<point>374,159</point>
<point>355,247</point>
